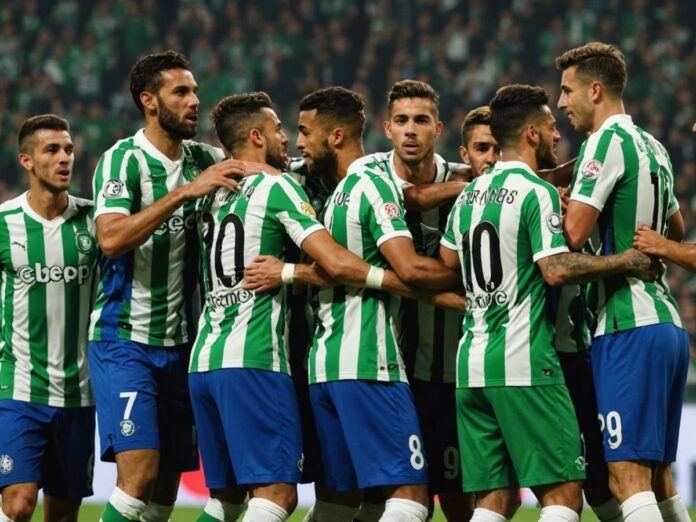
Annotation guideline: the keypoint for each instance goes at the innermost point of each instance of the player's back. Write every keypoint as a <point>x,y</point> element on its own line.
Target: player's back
<point>239,328</point>
<point>502,224</point>
<point>626,174</point>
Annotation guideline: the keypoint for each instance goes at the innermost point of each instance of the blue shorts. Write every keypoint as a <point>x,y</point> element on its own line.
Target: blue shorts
<point>49,445</point>
<point>368,434</point>
<point>640,377</point>
<point>577,372</point>
<point>437,413</point>
<point>143,402</point>
<point>248,427</point>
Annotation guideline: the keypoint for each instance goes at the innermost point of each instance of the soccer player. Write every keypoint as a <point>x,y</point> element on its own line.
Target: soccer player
<point>48,253</point>
<point>572,335</point>
<point>431,334</point>
<point>479,148</point>
<point>144,189</point>
<point>513,411</point>
<point>623,179</point>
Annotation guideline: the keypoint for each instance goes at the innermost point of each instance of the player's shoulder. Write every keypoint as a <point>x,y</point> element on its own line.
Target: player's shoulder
<point>80,203</point>
<point>370,164</point>
<point>203,152</point>
<point>12,206</point>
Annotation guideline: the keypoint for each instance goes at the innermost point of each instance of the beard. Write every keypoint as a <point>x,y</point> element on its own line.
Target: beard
<point>172,125</point>
<point>277,158</point>
<point>545,157</point>
<point>325,163</point>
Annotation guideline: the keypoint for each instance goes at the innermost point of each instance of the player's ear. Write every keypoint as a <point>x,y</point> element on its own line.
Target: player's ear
<point>336,137</point>
<point>387,129</point>
<point>464,154</point>
<point>26,161</point>
<point>149,101</point>
<point>596,91</point>
<point>438,129</point>
<point>256,137</point>
<point>531,134</point>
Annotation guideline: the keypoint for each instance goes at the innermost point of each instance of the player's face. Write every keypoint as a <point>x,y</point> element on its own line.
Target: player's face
<point>413,128</point>
<point>177,104</point>
<point>313,144</point>
<point>482,151</point>
<point>50,161</point>
<point>575,101</point>
<point>548,137</point>
<point>276,140</point>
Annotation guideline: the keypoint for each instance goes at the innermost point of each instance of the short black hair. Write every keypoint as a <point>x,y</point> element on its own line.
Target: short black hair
<point>598,61</point>
<point>146,74</point>
<point>34,124</point>
<point>338,106</point>
<point>477,116</point>
<point>234,116</point>
<point>413,89</point>
<point>513,108</point>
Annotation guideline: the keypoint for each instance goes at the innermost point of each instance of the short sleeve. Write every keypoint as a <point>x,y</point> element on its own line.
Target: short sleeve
<point>291,207</point>
<point>541,214</point>
<point>381,211</point>
<point>598,169</point>
<point>116,182</point>
<point>449,238</point>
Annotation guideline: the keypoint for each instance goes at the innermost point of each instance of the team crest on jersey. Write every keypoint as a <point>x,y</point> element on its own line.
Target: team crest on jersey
<point>113,188</point>
<point>591,169</point>
<point>6,464</point>
<point>391,211</point>
<point>127,427</point>
<point>307,209</point>
<point>554,223</point>
<point>85,242</point>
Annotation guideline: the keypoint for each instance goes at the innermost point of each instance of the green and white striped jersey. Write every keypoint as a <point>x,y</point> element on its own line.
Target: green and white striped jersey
<point>625,174</point>
<point>238,328</point>
<point>147,295</point>
<point>501,225</point>
<point>46,285</point>
<point>357,332</point>
<point>431,335</point>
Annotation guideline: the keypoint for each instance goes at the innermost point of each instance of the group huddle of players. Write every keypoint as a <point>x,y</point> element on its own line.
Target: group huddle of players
<point>389,326</point>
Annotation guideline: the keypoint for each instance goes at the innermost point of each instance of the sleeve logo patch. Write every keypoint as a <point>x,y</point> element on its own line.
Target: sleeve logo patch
<point>591,169</point>
<point>391,211</point>
<point>113,188</point>
<point>307,209</point>
<point>554,223</point>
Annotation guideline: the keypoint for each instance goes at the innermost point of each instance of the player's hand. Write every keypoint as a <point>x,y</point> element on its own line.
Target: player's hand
<point>649,241</point>
<point>263,274</point>
<point>564,192</point>
<point>642,266</point>
<point>216,176</point>
<point>449,300</point>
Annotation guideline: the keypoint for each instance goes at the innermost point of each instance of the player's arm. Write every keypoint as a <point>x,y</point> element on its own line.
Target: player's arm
<point>578,223</point>
<point>560,176</point>
<point>417,270</point>
<point>119,232</point>
<point>571,267</point>
<point>421,198</point>
<point>654,244</point>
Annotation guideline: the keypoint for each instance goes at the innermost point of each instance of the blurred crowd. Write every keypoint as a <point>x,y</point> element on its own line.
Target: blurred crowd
<point>72,57</point>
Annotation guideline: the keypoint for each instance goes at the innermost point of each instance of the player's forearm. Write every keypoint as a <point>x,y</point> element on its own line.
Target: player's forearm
<point>426,272</point>
<point>571,267</point>
<point>560,176</point>
<point>120,235</point>
<point>311,275</point>
<point>682,254</point>
<point>421,198</point>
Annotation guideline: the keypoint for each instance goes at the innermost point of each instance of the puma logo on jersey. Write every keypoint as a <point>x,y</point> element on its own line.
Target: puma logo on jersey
<point>53,274</point>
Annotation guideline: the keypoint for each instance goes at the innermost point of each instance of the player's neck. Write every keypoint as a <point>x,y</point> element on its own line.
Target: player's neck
<point>254,154</point>
<point>526,156</point>
<point>418,174</point>
<point>162,141</point>
<point>347,156</point>
<point>47,203</point>
<point>605,111</point>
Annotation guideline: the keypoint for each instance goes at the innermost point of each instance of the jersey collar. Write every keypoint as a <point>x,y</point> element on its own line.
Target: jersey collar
<point>141,141</point>
<point>508,165</point>
<point>614,119</point>
<point>56,221</point>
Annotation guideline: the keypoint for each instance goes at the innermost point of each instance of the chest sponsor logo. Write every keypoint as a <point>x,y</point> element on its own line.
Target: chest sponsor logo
<point>229,299</point>
<point>113,188</point>
<point>53,274</point>
<point>591,169</point>
<point>554,223</point>
<point>177,223</point>
<point>85,242</point>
